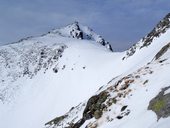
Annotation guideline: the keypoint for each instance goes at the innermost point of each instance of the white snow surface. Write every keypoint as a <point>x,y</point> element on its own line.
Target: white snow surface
<point>167,91</point>
<point>83,66</point>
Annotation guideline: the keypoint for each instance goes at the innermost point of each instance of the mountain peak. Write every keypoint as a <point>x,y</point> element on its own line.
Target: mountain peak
<point>79,31</point>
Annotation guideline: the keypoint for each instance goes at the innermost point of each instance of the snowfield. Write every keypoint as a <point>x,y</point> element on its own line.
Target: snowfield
<point>58,78</point>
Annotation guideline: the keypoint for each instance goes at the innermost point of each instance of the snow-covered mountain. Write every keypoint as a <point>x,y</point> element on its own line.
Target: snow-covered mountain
<point>70,78</point>
<point>78,31</point>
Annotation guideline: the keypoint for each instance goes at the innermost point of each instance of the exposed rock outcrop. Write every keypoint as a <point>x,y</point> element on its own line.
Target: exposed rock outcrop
<point>161,104</point>
<point>94,108</point>
<point>162,51</point>
<point>78,31</point>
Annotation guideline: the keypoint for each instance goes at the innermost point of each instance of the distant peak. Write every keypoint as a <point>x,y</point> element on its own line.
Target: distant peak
<point>79,31</point>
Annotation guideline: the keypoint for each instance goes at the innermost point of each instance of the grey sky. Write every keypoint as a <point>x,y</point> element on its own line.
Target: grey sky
<point>122,22</point>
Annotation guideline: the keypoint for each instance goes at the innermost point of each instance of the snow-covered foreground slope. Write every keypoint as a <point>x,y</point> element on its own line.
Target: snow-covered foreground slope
<point>44,77</point>
<point>123,101</point>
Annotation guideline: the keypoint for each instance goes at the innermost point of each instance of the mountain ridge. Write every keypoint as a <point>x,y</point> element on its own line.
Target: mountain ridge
<point>160,28</point>
<point>74,30</point>
<point>43,78</point>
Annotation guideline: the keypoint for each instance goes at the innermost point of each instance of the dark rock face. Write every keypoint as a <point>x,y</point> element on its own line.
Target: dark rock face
<point>161,104</point>
<point>119,117</point>
<point>102,41</point>
<point>94,108</point>
<point>76,32</point>
<point>123,108</point>
<point>162,51</point>
<point>109,46</point>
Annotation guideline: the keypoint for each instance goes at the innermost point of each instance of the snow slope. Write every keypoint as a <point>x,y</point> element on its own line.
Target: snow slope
<point>38,71</point>
<point>147,75</point>
<point>44,77</point>
<point>128,99</point>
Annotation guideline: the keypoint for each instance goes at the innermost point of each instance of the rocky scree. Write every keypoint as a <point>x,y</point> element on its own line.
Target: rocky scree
<point>26,61</point>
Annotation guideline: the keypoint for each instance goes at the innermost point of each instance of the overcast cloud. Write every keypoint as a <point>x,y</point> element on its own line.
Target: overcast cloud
<point>121,22</point>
